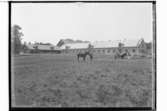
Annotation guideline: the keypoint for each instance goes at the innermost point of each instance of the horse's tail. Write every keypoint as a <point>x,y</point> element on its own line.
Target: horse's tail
<point>91,56</point>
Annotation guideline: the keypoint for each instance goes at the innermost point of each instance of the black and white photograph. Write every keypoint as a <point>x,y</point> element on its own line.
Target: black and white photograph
<point>83,54</point>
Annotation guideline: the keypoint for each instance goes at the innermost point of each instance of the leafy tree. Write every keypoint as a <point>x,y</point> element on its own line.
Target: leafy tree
<point>16,35</point>
<point>24,47</point>
<point>36,49</point>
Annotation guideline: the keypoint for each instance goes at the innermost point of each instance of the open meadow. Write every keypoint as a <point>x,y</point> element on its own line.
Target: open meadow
<point>57,80</point>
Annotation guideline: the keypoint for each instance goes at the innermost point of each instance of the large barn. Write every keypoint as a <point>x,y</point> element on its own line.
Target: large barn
<point>134,47</point>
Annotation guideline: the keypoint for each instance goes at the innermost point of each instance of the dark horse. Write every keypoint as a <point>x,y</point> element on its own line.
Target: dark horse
<point>84,55</point>
<point>123,55</point>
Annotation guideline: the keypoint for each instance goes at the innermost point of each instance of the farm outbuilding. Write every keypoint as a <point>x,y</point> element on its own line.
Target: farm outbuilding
<point>41,48</point>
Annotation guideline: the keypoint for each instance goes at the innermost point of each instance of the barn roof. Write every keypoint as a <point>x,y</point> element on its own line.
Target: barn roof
<point>107,44</point>
<point>132,42</point>
<point>102,44</point>
<point>75,45</point>
<point>70,41</point>
<point>42,47</point>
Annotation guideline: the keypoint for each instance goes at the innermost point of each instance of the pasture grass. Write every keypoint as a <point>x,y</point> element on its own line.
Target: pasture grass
<point>61,81</point>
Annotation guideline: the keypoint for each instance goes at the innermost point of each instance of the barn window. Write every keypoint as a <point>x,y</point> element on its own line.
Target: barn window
<point>113,50</point>
<point>108,50</point>
<point>133,50</point>
<point>103,51</point>
<point>52,48</point>
<point>99,51</point>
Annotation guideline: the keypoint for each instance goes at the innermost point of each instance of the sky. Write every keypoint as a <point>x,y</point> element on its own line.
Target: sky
<point>50,22</point>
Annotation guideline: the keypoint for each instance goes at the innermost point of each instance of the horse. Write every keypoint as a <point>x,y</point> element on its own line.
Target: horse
<point>84,55</point>
<point>123,55</point>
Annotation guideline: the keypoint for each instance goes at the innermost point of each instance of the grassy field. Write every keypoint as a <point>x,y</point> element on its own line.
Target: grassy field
<point>61,81</point>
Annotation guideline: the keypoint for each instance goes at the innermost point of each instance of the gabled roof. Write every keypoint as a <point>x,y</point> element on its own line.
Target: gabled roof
<point>42,47</point>
<point>131,43</point>
<point>70,41</point>
<point>107,44</point>
<point>75,46</point>
<point>102,44</point>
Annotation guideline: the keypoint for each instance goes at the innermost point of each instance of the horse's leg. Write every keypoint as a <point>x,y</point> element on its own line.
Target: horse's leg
<point>123,56</point>
<point>91,58</point>
<point>78,58</point>
<point>84,58</point>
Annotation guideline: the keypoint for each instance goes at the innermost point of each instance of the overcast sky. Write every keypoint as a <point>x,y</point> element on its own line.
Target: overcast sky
<point>50,22</point>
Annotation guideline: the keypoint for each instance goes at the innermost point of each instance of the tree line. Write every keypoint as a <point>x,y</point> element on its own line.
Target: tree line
<point>16,37</point>
<point>16,40</point>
